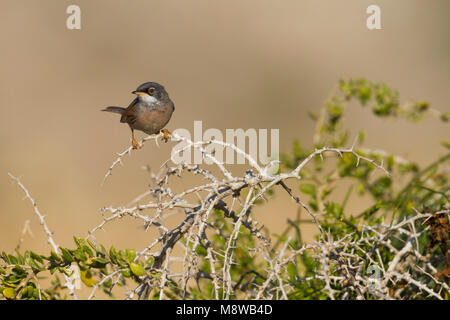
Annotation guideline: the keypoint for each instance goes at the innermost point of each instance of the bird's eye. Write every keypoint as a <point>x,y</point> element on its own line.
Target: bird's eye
<point>151,90</point>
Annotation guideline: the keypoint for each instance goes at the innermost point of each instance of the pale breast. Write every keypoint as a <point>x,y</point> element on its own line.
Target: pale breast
<point>152,120</point>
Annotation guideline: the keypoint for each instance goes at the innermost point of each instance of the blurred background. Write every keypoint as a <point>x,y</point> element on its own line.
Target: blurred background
<point>231,64</point>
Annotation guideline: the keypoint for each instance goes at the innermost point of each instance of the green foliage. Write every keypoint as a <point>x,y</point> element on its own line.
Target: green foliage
<point>19,273</point>
<point>424,188</point>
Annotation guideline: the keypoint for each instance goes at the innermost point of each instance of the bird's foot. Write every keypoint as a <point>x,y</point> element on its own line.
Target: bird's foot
<point>166,134</point>
<point>135,144</point>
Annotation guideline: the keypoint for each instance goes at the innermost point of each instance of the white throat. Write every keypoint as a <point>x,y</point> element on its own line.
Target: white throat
<point>148,99</point>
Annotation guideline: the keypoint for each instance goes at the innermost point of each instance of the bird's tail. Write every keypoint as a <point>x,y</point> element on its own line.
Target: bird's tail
<point>118,110</point>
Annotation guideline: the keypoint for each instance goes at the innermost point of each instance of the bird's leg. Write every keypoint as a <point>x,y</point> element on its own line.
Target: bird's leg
<point>134,142</point>
<point>166,134</point>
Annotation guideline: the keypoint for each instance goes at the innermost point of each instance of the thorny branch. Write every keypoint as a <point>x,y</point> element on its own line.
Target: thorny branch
<point>341,263</point>
<point>339,269</point>
<point>47,231</point>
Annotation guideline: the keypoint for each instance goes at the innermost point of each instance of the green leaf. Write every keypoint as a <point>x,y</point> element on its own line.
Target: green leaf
<point>113,255</point>
<point>102,250</point>
<point>91,245</point>
<point>308,189</point>
<point>67,255</point>
<point>36,256</point>
<point>88,251</point>
<point>131,254</point>
<point>54,256</point>
<point>79,254</point>
<point>422,106</point>
<point>24,293</point>
<point>12,259</point>
<point>313,115</point>
<point>360,188</point>
<point>361,137</point>
<point>380,186</point>
<point>19,270</point>
<point>30,261</point>
<point>99,263</point>
<point>77,242</point>
<point>108,283</point>
<point>20,257</point>
<point>126,273</point>
<point>292,271</point>
<point>5,257</point>
<point>149,262</point>
<point>30,290</point>
<point>445,144</point>
<point>364,95</point>
<point>445,116</point>
<point>87,278</point>
<point>137,269</point>
<point>9,293</point>
<point>201,251</point>
<point>36,293</point>
<point>83,266</point>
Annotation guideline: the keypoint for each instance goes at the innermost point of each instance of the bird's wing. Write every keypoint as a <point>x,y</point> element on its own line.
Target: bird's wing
<point>129,115</point>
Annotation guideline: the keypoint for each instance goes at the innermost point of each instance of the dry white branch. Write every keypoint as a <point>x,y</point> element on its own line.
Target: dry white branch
<point>47,231</point>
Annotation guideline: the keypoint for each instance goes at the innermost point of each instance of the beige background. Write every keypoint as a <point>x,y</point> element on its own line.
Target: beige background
<point>249,64</point>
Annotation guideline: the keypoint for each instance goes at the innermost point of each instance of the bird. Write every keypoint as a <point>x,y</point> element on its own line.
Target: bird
<point>149,112</point>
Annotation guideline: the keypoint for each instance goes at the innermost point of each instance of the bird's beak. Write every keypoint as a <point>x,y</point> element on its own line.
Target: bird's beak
<point>139,93</point>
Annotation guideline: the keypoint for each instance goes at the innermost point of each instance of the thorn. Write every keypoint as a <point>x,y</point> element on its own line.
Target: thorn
<point>354,142</point>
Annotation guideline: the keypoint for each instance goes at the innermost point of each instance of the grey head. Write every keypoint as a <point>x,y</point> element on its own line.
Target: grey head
<point>151,93</point>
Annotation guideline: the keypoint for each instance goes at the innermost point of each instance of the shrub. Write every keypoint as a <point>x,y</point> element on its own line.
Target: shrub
<point>395,249</point>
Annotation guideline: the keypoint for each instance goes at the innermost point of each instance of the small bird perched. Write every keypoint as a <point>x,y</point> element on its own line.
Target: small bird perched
<point>149,112</point>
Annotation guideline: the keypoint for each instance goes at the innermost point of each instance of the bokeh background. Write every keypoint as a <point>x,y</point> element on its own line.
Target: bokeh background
<point>231,64</point>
